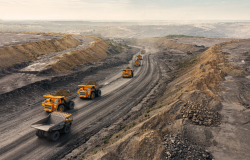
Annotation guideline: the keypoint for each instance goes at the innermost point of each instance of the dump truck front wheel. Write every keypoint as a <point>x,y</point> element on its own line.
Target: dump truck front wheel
<point>99,93</point>
<point>71,105</point>
<point>66,129</point>
<point>92,96</point>
<point>54,136</point>
<point>60,108</point>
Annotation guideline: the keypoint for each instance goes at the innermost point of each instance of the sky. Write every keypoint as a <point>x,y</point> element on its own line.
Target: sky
<point>119,10</point>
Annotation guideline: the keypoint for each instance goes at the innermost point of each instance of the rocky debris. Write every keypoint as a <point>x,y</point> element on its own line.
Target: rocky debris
<point>200,115</point>
<point>179,148</point>
<point>128,68</point>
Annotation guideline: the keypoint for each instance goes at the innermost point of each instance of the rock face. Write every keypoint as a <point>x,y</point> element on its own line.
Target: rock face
<point>179,148</point>
<point>197,114</point>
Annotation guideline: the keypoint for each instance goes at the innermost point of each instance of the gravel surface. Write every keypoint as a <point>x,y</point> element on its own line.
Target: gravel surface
<point>179,148</point>
<point>239,55</point>
<point>232,136</point>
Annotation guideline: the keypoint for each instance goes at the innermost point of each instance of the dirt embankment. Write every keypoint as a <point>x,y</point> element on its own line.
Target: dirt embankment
<point>165,43</point>
<point>190,103</point>
<point>97,51</point>
<point>17,55</point>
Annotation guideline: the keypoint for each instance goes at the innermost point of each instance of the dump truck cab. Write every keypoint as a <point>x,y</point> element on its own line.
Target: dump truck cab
<point>89,91</point>
<point>54,103</point>
<point>137,63</point>
<point>139,57</point>
<point>127,73</point>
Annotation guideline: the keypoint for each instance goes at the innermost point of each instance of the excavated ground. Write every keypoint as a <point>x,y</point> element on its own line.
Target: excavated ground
<point>95,120</point>
<point>137,140</point>
<point>174,107</point>
<point>24,76</point>
<point>204,109</point>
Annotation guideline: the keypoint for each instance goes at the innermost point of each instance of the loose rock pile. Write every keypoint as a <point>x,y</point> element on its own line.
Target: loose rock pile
<point>62,92</point>
<point>91,83</point>
<point>179,148</point>
<point>200,115</point>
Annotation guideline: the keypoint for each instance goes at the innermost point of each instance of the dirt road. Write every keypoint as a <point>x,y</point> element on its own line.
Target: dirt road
<point>119,95</point>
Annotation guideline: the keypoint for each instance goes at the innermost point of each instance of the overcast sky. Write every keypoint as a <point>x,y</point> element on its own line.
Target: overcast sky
<point>125,9</point>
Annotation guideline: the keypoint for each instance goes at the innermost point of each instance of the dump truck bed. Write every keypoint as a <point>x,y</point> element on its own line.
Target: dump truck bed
<point>70,98</point>
<point>54,121</point>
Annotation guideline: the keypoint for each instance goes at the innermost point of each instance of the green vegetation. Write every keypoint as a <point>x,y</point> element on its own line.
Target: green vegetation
<point>108,42</point>
<point>119,48</point>
<point>188,62</point>
<point>181,36</point>
<point>126,46</point>
<point>105,141</point>
<point>133,124</point>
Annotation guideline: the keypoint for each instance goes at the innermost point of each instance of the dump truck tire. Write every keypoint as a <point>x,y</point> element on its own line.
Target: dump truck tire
<point>71,104</point>
<point>39,134</point>
<point>92,96</point>
<point>54,136</point>
<point>61,108</point>
<point>98,93</point>
<point>67,128</point>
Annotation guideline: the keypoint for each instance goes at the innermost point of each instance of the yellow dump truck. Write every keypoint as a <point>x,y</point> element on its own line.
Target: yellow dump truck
<point>137,63</point>
<point>53,125</point>
<point>59,103</point>
<point>189,52</point>
<point>89,91</point>
<point>139,57</point>
<point>127,73</point>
